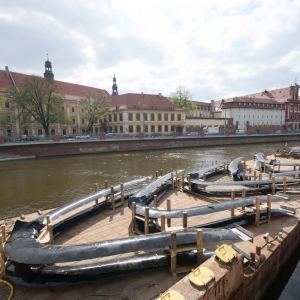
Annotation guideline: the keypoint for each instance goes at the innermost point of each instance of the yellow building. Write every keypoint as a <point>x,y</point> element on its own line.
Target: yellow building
<point>134,113</point>
<point>129,113</point>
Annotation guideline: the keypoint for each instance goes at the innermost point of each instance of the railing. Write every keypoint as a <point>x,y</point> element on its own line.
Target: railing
<point>147,135</point>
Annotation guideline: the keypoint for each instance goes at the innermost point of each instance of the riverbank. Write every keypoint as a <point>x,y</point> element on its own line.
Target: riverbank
<point>71,147</point>
<point>5,156</point>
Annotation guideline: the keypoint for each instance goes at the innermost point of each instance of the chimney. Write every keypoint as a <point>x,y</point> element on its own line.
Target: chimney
<point>159,95</point>
<point>6,71</point>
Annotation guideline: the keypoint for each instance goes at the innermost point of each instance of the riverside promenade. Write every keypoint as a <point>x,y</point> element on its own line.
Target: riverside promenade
<point>96,146</point>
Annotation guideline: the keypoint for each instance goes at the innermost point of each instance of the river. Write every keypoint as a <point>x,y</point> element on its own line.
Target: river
<point>30,185</point>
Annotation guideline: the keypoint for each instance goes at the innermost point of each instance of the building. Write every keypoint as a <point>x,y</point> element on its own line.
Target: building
<point>204,110</point>
<point>134,113</point>
<point>289,98</point>
<point>251,114</point>
<point>269,110</point>
<point>72,93</point>
<point>126,113</point>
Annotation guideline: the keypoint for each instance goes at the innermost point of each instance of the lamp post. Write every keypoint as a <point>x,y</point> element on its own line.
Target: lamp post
<point>143,126</point>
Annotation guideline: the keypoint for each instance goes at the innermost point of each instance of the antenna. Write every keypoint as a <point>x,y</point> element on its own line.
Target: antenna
<point>47,56</point>
<point>296,80</point>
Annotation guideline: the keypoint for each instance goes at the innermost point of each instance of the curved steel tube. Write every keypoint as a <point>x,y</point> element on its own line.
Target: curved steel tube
<point>56,213</point>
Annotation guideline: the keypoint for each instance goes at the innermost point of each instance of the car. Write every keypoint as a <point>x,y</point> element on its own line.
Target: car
<point>155,134</point>
<point>193,133</point>
<point>111,135</point>
<point>30,138</point>
<point>8,139</point>
<point>125,135</point>
<point>86,136</point>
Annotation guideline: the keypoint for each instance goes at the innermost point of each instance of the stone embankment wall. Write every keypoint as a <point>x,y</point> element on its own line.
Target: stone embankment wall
<point>57,148</point>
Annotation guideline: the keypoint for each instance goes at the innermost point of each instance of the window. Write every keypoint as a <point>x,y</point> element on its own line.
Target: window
<point>40,132</point>
<point>109,118</point>
<point>159,128</point>
<point>6,104</point>
<point>158,117</point>
<point>121,128</point>
<point>245,103</point>
<point>82,121</point>
<point>138,117</point>
<point>172,117</point>
<point>152,117</point>
<point>73,110</point>
<point>152,128</point>
<point>52,131</point>
<point>82,110</point>
<point>145,117</point>
<point>116,129</point>
<point>146,128</point>
<point>178,117</point>
<point>121,117</point>
<point>73,120</point>
<point>110,129</point>
<point>166,128</point>
<point>115,118</point>
<point>64,131</point>
<point>138,128</point>
<point>63,109</point>
<point>129,116</point>
<point>172,128</point>
<point>166,118</point>
<point>130,128</point>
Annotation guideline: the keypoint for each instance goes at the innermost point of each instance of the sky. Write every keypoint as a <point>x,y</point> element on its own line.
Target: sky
<point>214,48</point>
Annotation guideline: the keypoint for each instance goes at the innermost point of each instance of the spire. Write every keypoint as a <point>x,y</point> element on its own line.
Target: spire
<point>48,69</point>
<point>114,87</point>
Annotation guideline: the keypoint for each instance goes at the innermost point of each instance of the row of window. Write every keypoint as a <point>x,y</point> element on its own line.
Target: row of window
<point>260,104</point>
<point>138,128</point>
<point>202,107</point>
<point>153,117</point>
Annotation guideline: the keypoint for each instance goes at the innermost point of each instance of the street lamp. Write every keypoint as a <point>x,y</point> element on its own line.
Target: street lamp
<point>142,97</point>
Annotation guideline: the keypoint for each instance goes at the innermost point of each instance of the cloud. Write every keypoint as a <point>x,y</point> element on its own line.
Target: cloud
<point>216,49</point>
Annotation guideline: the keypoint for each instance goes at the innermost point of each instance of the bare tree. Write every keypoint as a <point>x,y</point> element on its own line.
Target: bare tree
<point>39,99</point>
<point>93,107</point>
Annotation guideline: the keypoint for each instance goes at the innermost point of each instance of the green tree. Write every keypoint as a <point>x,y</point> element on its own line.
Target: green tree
<point>93,107</point>
<point>182,98</point>
<point>39,98</point>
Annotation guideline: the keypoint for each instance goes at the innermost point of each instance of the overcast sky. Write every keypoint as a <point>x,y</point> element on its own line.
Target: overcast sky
<point>215,48</point>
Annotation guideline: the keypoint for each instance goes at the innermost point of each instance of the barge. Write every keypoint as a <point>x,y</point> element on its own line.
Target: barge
<point>268,236</point>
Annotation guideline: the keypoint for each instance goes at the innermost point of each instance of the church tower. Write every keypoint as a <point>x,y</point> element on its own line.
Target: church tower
<point>48,69</point>
<point>114,87</point>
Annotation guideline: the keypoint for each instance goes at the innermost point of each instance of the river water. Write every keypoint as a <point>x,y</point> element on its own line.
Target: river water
<point>29,185</point>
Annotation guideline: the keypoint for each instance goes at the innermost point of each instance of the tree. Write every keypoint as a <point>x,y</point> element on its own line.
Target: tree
<point>182,98</point>
<point>3,114</point>
<point>39,99</point>
<point>93,107</point>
